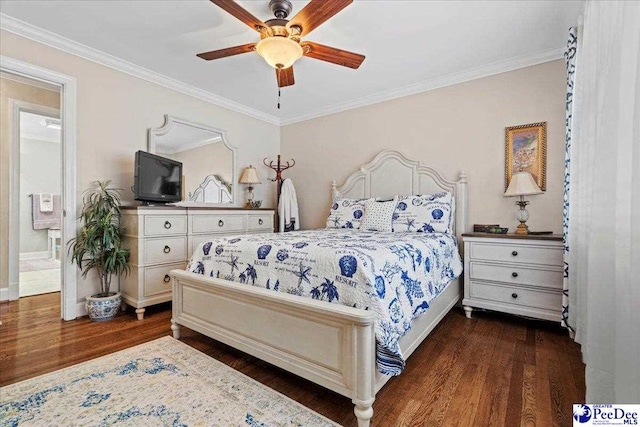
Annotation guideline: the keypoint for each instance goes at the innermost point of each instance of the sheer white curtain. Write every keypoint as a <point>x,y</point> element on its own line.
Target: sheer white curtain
<point>604,218</point>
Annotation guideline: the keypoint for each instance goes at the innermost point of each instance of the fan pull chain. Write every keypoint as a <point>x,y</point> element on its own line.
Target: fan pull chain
<point>279,71</point>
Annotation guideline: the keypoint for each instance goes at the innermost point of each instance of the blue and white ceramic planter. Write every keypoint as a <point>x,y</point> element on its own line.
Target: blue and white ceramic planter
<point>101,309</point>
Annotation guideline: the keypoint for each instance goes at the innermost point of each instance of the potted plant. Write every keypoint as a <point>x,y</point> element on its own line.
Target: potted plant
<point>98,246</point>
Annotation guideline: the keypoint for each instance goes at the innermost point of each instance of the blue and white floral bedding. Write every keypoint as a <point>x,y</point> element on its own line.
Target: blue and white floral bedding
<point>395,274</point>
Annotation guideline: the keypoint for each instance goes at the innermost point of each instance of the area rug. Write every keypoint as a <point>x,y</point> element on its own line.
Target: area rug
<point>163,382</point>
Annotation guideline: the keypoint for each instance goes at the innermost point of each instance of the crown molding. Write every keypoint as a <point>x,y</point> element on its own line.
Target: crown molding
<point>57,41</point>
<point>40,35</point>
<point>436,83</point>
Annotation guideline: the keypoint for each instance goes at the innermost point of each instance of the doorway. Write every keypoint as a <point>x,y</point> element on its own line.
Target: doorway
<point>63,115</point>
<point>40,175</point>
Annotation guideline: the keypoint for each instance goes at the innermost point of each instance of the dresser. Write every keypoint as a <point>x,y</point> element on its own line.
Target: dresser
<point>513,274</point>
<point>162,239</point>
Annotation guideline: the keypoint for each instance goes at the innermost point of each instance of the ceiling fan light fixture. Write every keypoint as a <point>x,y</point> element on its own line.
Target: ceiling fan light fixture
<point>279,52</point>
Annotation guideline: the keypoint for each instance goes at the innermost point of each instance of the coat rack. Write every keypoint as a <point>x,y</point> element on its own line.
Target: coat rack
<point>278,167</point>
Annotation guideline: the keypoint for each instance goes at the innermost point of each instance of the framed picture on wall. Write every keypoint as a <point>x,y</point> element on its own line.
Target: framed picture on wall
<point>526,150</point>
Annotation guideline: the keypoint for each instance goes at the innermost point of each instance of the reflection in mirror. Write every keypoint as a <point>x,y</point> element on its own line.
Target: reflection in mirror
<point>212,188</point>
<point>208,161</point>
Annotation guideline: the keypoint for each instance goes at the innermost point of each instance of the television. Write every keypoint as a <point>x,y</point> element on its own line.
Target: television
<point>157,179</point>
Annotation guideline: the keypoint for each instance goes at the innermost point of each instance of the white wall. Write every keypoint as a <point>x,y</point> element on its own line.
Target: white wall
<point>116,109</point>
<point>455,128</point>
<point>40,172</point>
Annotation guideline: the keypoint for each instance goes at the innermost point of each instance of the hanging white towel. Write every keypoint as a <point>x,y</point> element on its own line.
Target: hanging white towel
<point>288,207</point>
<point>44,220</point>
<point>46,202</point>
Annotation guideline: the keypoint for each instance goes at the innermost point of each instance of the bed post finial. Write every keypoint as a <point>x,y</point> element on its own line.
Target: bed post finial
<point>461,204</point>
<point>334,190</point>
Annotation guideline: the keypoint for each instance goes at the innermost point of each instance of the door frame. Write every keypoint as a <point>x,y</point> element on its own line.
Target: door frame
<point>68,111</point>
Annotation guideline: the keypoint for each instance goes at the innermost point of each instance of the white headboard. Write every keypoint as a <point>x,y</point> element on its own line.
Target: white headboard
<point>391,173</point>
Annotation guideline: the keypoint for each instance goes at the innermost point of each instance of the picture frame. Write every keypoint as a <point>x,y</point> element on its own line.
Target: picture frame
<point>526,150</point>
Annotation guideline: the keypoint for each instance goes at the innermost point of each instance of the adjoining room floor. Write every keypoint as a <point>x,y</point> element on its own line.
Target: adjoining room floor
<point>492,370</point>
<point>39,276</point>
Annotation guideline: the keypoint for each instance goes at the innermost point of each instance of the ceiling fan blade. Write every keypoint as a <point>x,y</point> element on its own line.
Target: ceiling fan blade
<point>315,13</point>
<point>333,55</point>
<point>285,77</point>
<point>230,51</point>
<point>241,13</point>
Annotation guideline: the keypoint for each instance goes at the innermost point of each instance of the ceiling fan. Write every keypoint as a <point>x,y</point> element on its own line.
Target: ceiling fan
<point>280,43</point>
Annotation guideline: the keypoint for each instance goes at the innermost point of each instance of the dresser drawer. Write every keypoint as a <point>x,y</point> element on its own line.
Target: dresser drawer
<point>516,274</point>
<point>166,249</point>
<point>162,225</point>
<point>547,300</point>
<point>217,223</point>
<point>157,279</point>
<point>260,222</point>
<point>521,254</point>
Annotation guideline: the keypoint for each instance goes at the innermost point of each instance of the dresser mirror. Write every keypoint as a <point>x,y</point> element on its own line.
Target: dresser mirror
<point>208,160</point>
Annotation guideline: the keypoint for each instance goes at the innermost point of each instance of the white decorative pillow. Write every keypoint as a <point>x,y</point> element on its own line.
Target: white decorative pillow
<point>430,213</point>
<point>378,215</point>
<point>346,213</point>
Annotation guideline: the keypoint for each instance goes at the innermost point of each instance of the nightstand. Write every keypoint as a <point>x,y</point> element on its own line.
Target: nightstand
<point>513,274</point>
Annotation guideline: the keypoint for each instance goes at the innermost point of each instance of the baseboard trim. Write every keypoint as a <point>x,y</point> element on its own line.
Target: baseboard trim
<point>24,256</point>
<point>81,310</point>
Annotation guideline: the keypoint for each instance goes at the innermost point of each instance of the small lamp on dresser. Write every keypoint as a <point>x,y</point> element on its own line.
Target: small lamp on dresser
<point>249,176</point>
<point>522,184</point>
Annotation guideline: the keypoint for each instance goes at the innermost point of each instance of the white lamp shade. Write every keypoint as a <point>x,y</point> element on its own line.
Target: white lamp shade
<point>522,184</point>
<point>249,176</point>
<point>279,52</point>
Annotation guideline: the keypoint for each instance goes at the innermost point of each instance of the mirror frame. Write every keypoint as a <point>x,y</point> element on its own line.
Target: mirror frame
<point>169,122</point>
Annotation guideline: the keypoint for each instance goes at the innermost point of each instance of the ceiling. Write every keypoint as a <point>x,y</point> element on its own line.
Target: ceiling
<point>34,126</point>
<point>411,46</point>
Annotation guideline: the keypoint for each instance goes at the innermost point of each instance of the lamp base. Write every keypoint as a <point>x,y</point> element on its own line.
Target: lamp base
<point>522,229</point>
<point>249,197</point>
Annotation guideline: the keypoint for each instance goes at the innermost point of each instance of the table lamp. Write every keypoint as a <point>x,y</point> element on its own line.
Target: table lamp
<point>249,176</point>
<point>522,184</point>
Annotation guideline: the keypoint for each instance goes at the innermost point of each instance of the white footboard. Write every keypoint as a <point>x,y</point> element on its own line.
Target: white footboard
<point>329,344</point>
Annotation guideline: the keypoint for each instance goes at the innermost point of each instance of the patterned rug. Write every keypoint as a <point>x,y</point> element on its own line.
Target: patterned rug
<point>163,382</point>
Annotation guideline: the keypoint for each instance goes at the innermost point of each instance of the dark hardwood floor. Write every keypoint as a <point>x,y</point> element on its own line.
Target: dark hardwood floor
<point>492,370</point>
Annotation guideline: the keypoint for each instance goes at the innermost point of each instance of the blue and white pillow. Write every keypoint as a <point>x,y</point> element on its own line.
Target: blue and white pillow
<point>378,216</point>
<point>430,213</point>
<point>346,213</point>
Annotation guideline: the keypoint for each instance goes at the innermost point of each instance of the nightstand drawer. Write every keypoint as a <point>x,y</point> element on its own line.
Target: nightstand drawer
<point>521,254</point>
<point>157,279</point>
<point>217,223</point>
<point>167,249</point>
<point>547,300</point>
<point>516,274</point>
<point>162,225</point>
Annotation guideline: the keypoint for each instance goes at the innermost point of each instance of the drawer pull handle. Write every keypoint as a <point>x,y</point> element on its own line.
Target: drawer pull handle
<point>167,278</point>
<point>514,253</point>
<point>167,225</point>
<point>514,274</point>
<point>166,249</point>
<point>514,295</point>
<point>260,221</point>
<point>220,223</point>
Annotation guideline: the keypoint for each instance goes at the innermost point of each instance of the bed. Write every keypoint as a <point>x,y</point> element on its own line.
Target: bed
<point>329,344</point>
